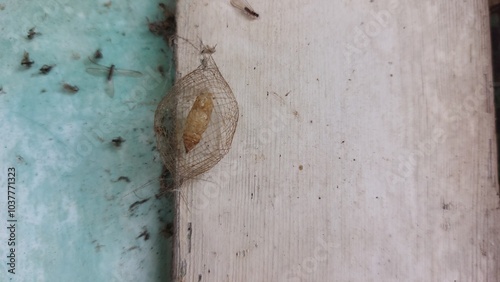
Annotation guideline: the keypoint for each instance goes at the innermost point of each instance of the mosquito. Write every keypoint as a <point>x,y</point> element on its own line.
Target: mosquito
<point>98,54</point>
<point>70,88</point>
<point>243,6</point>
<point>100,69</point>
<point>117,141</point>
<point>45,69</point>
<point>32,33</point>
<point>26,60</point>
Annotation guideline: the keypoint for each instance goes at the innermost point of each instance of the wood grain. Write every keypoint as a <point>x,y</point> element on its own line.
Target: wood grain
<point>365,149</point>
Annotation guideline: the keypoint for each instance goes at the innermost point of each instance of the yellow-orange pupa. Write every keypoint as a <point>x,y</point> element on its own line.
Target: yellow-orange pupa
<point>197,120</point>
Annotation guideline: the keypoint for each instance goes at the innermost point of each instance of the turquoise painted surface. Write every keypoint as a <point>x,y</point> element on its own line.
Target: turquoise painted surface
<point>74,218</point>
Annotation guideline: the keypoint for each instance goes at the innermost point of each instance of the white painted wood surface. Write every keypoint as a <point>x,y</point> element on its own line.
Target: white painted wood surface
<point>365,149</point>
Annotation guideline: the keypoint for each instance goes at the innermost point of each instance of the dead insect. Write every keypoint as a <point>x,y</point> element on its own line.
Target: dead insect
<point>144,234</point>
<point>122,178</point>
<point>197,120</point>
<point>133,207</point>
<point>100,69</point>
<point>165,27</point>
<point>26,60</point>
<point>70,88</point>
<point>161,70</point>
<point>32,33</point>
<point>98,54</point>
<point>2,91</point>
<point>243,6</point>
<point>168,230</point>
<point>45,69</point>
<point>206,49</point>
<point>154,27</point>
<point>167,12</point>
<point>117,141</point>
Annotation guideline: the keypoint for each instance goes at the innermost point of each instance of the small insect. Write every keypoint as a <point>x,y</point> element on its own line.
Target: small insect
<point>32,33</point>
<point>144,234</point>
<point>122,178</point>
<point>26,60</point>
<point>70,88</point>
<point>168,230</point>
<point>197,120</point>
<point>133,207</point>
<point>163,7</point>
<point>167,12</point>
<point>100,69</point>
<point>45,69</point>
<point>206,49</point>
<point>161,70</point>
<point>98,54</point>
<point>165,27</point>
<point>117,141</point>
<point>243,6</point>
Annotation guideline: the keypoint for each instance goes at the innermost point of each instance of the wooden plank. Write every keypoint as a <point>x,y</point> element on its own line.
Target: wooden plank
<point>365,148</point>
